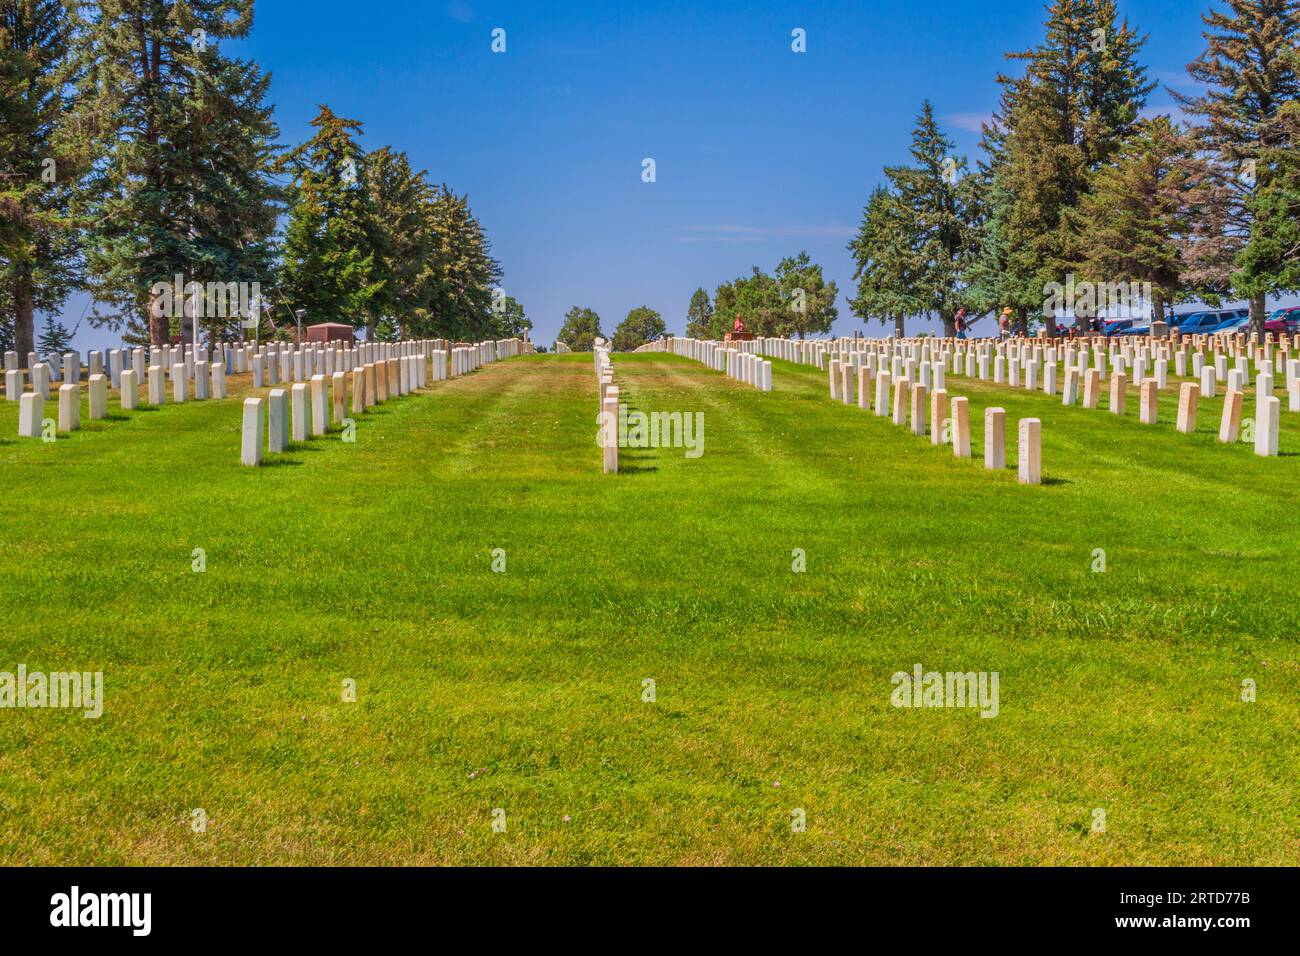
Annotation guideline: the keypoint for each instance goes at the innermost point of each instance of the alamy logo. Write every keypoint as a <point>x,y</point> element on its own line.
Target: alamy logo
<point>103,909</point>
<point>951,689</point>
<point>58,689</point>
<point>1085,300</point>
<point>656,430</point>
<point>215,300</point>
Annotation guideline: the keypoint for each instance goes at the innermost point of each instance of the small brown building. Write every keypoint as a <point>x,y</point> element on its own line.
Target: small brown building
<point>330,332</point>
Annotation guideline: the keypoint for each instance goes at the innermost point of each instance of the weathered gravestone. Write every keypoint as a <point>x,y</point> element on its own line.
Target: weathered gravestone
<point>129,393</point>
<point>97,391</point>
<point>1030,451</point>
<point>995,438</point>
<point>252,435</point>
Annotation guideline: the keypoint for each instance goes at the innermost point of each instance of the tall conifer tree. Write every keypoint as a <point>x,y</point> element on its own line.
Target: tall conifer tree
<point>1242,130</point>
<point>178,142</point>
<point>1069,113</point>
<point>329,255</point>
<point>38,238</point>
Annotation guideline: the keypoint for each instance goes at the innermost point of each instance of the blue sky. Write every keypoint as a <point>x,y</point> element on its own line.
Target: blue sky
<point>760,152</point>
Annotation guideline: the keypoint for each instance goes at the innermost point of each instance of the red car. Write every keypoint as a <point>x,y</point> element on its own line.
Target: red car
<point>1284,320</point>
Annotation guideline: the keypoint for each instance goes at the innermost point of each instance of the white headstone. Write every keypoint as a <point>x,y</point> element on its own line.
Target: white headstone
<point>250,451</point>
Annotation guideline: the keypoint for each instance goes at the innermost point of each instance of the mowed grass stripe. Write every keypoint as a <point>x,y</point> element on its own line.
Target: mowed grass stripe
<point>523,690</point>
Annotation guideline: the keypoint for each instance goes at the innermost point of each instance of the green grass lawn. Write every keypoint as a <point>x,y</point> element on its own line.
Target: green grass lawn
<point>523,690</point>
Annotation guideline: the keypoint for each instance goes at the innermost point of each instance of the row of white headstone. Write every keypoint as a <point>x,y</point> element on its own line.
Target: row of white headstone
<point>903,400</point>
<point>817,352</point>
<point>209,383</point>
<point>743,364</point>
<point>1082,384</point>
<point>981,358</point>
<point>271,363</point>
<point>1034,366</point>
<point>209,378</point>
<point>608,409</point>
<point>304,411</point>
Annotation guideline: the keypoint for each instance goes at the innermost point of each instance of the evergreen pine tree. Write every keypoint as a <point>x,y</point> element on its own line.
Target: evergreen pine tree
<point>1270,261</point>
<point>38,238</point>
<point>885,267</point>
<point>1069,114</point>
<point>937,216</point>
<point>328,267</point>
<point>464,272</point>
<point>699,315</point>
<point>1135,214</point>
<point>1241,128</point>
<point>55,341</point>
<point>401,238</point>
<point>177,140</point>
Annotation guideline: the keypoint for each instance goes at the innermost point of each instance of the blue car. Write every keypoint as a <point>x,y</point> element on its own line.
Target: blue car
<point>1203,323</point>
<point>1135,330</point>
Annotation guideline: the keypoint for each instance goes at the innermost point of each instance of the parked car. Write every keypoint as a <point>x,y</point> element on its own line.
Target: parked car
<point>1196,322</point>
<point>1284,320</point>
<point>1115,326</point>
<point>1235,324</point>
<point>1135,330</point>
<point>1203,323</point>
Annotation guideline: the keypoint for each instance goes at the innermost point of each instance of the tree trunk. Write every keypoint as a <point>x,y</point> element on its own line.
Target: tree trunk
<point>1258,313</point>
<point>24,314</point>
<point>1049,320</point>
<point>899,327</point>
<point>949,325</point>
<point>160,331</point>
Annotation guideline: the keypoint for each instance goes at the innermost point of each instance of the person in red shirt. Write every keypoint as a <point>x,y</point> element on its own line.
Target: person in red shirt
<point>739,326</point>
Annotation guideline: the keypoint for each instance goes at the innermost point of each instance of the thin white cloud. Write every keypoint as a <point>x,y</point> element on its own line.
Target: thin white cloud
<point>1178,79</point>
<point>970,122</point>
<point>1175,113</point>
<point>733,233</point>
